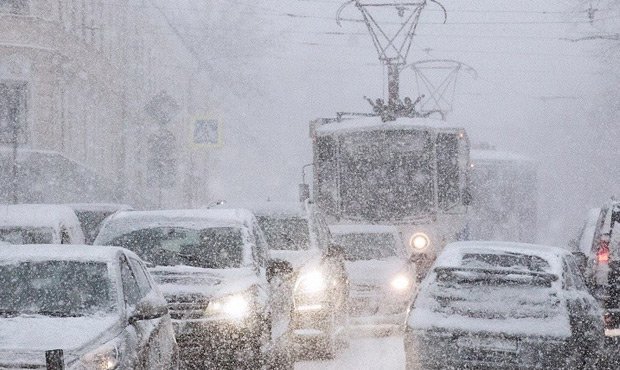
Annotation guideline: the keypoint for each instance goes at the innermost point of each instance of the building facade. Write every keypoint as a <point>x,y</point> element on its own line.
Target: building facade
<point>77,78</point>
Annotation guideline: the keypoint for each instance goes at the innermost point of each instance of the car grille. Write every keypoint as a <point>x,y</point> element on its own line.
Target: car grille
<point>187,307</point>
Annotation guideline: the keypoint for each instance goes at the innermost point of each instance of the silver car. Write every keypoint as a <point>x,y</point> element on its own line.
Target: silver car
<point>83,307</point>
<point>503,305</point>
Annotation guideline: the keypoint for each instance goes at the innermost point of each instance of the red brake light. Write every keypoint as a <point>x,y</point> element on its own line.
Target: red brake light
<point>602,255</point>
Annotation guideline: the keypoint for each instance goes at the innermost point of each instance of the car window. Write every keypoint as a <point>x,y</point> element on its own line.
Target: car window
<point>131,289</point>
<point>144,283</point>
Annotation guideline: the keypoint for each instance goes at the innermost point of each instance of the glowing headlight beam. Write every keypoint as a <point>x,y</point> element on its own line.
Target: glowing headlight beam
<point>419,241</point>
<point>235,307</point>
<point>311,282</point>
<point>400,282</point>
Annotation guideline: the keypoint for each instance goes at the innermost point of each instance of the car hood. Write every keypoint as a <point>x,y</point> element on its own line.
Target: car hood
<point>297,258</point>
<point>24,339</point>
<point>375,272</point>
<point>196,281</point>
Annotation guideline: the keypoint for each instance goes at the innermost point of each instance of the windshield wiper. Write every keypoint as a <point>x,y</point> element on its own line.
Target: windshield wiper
<point>8,312</point>
<point>57,313</point>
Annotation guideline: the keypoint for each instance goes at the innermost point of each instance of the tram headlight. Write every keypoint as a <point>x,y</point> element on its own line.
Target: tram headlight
<point>419,241</point>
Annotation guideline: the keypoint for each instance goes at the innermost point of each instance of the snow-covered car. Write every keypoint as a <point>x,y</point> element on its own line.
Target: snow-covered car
<point>382,278</point>
<point>297,233</point>
<point>92,215</point>
<point>214,269</point>
<point>599,243</point>
<point>39,224</point>
<point>98,305</point>
<point>503,305</point>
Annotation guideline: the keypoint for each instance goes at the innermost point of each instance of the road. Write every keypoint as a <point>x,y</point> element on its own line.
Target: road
<point>384,353</point>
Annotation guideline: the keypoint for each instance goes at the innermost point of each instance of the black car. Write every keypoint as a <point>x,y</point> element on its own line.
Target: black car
<point>503,305</point>
<point>598,248</point>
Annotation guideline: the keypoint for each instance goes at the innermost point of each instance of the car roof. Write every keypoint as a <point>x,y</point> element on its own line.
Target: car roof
<point>36,215</point>
<point>128,221</point>
<point>362,229</point>
<point>65,252</point>
<point>99,207</point>
<point>453,253</point>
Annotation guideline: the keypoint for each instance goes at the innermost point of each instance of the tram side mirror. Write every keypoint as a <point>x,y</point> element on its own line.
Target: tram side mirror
<point>335,250</point>
<point>304,192</point>
<point>467,198</point>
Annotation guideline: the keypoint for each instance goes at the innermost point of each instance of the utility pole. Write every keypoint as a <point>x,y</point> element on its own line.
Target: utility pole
<point>15,142</point>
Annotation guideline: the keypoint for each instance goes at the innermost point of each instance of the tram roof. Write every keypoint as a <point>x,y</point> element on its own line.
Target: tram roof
<point>496,155</point>
<point>356,124</point>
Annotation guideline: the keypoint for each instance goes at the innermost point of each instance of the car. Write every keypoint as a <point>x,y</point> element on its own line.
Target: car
<point>92,215</point>
<point>599,245</point>
<point>214,269</point>
<point>86,307</point>
<point>503,305</point>
<point>297,233</point>
<point>39,224</point>
<point>382,277</point>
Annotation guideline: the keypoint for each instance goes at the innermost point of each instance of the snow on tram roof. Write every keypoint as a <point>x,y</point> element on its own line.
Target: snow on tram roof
<point>375,123</point>
<point>362,229</point>
<point>496,155</point>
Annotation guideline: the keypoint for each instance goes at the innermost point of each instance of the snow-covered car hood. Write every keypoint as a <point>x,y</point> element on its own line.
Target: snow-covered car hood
<point>375,272</point>
<point>297,258</point>
<point>186,280</point>
<point>24,339</point>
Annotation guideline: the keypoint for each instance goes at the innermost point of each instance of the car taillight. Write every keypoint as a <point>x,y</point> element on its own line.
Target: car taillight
<point>602,255</point>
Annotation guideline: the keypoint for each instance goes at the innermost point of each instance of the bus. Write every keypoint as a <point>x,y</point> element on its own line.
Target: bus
<point>504,195</point>
<point>410,172</point>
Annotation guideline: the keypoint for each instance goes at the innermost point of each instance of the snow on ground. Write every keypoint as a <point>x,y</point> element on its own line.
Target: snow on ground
<point>385,353</point>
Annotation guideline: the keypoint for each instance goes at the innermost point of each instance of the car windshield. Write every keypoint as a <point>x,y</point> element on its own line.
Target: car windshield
<point>368,246</point>
<point>55,288</point>
<point>286,233</point>
<point>27,235</point>
<point>215,247</point>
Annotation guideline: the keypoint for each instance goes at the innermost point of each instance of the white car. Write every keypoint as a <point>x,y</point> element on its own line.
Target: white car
<point>381,276</point>
<point>214,269</point>
<point>92,215</point>
<point>503,305</point>
<point>39,224</point>
<point>98,306</point>
<point>297,233</point>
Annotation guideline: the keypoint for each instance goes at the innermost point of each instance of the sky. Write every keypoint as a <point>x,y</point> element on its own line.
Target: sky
<point>536,93</point>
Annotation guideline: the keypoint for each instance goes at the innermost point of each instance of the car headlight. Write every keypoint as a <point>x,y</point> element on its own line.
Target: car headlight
<point>310,282</point>
<point>235,306</point>
<point>400,283</point>
<point>419,241</point>
<point>106,357</point>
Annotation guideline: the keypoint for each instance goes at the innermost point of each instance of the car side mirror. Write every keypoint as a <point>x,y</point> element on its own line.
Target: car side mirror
<point>304,192</point>
<point>277,267</point>
<point>149,308</point>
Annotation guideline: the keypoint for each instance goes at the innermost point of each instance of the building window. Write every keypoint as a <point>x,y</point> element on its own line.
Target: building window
<point>13,112</point>
<point>14,6</point>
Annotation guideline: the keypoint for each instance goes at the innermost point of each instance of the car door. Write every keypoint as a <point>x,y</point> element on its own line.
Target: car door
<point>158,335</point>
<point>134,290</point>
